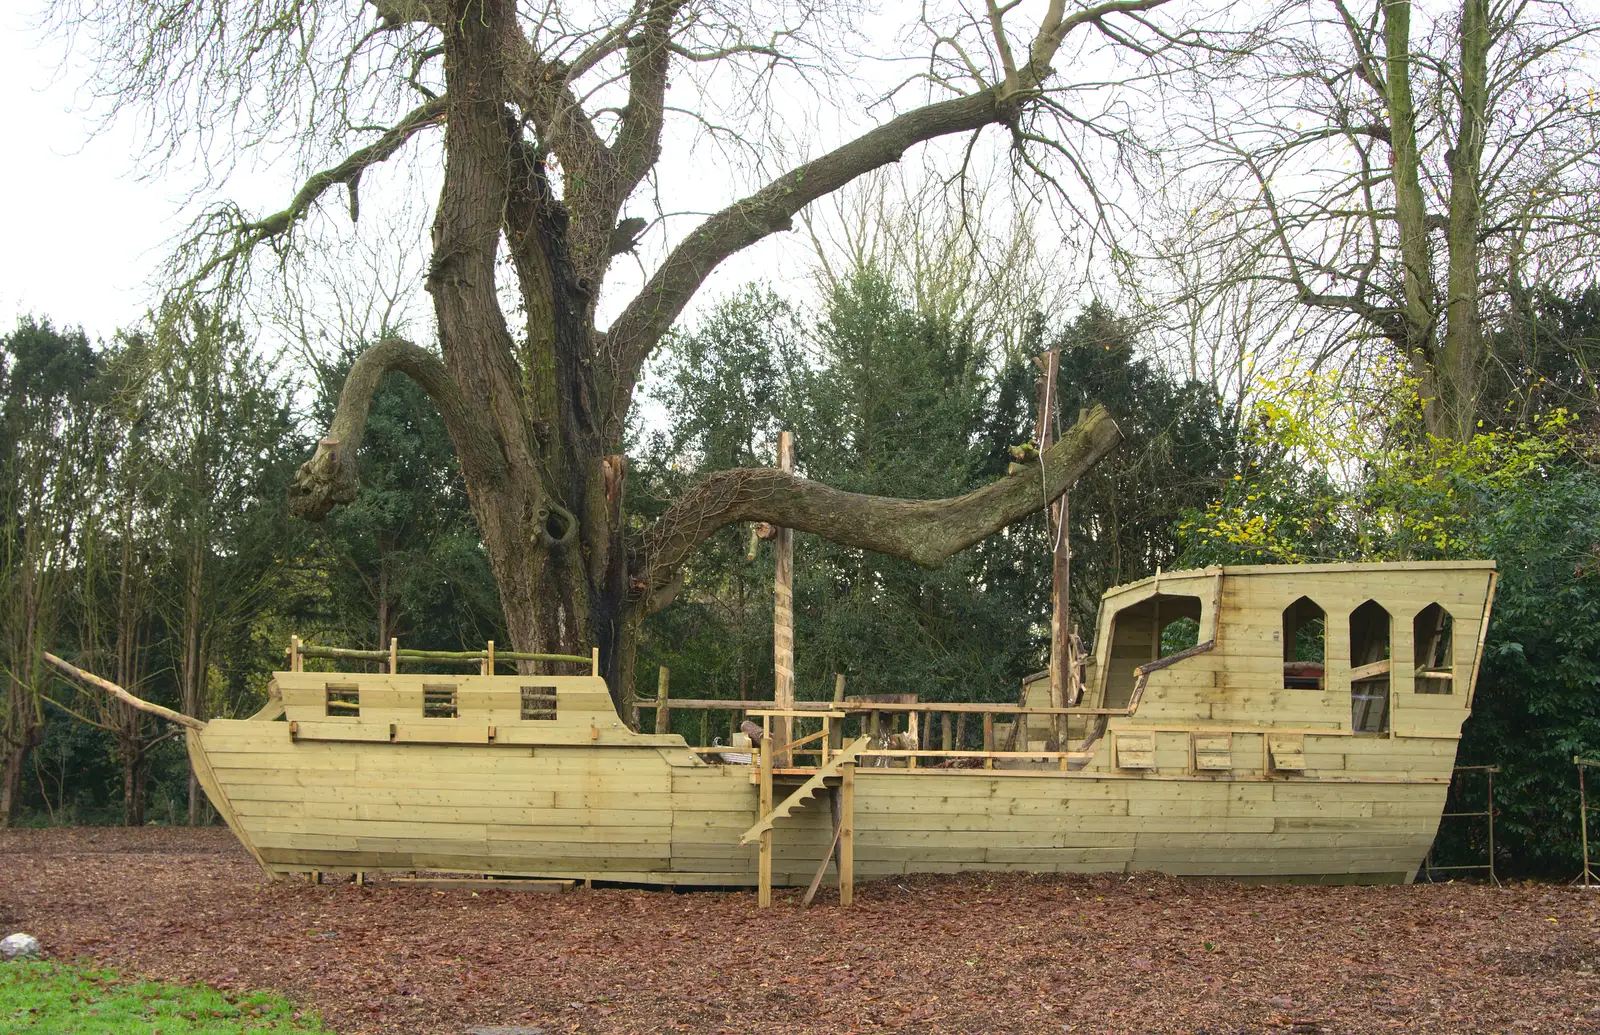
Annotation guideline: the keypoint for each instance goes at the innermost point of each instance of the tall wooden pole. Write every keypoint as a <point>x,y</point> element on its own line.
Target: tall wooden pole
<point>783,620</point>
<point>1061,557</point>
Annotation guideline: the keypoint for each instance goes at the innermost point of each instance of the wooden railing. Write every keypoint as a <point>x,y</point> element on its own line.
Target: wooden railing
<point>485,659</point>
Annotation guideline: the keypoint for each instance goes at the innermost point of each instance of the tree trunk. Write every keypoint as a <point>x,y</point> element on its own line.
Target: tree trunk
<point>1442,344</point>
<point>11,781</point>
<point>133,779</point>
<point>23,726</point>
<point>193,668</point>
<point>1462,352</point>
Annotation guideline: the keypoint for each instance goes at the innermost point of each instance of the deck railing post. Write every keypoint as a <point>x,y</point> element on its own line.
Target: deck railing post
<point>663,709</point>
<point>847,833</point>
<point>764,874</point>
<point>1589,878</point>
<point>1492,878</point>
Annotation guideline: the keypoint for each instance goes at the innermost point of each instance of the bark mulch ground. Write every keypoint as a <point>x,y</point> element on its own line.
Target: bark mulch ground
<point>970,953</point>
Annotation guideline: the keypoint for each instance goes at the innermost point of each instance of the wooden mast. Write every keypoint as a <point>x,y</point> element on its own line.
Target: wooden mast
<point>783,621</point>
<point>1061,689</point>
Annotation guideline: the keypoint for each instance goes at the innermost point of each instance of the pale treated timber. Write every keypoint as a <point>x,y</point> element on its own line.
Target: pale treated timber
<point>764,808</point>
<point>663,709</point>
<point>822,869</point>
<point>783,620</point>
<point>847,835</point>
<point>89,679</point>
<point>583,797</point>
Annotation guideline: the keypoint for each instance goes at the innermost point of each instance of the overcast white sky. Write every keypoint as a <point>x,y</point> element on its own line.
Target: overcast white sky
<point>82,234</point>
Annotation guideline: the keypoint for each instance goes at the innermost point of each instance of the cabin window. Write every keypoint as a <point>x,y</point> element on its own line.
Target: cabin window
<point>1430,637</point>
<point>438,700</point>
<point>1154,628</point>
<point>343,700</point>
<point>1305,627</point>
<point>1369,668</point>
<point>1179,636</point>
<point>539,702</point>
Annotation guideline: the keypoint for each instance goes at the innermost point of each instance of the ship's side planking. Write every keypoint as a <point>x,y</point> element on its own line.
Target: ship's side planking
<point>1238,758</point>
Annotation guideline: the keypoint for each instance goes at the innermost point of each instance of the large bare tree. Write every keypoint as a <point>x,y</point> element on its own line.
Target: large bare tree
<point>554,118</point>
<point>1410,172</point>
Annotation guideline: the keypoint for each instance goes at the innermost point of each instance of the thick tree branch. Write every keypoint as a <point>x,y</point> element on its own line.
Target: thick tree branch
<point>329,478</point>
<point>638,145</point>
<point>927,532</point>
<point>767,211</point>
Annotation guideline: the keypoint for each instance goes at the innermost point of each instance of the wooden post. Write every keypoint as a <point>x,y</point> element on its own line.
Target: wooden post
<point>394,655</point>
<point>663,710</point>
<point>944,731</point>
<point>847,833</point>
<point>764,873</point>
<point>783,619</point>
<point>836,734</point>
<point>296,662</point>
<point>487,666</point>
<point>988,738</point>
<point>594,662</point>
<point>1060,566</point>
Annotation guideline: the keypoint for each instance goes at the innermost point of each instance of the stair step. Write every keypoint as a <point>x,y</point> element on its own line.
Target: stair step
<point>805,790</point>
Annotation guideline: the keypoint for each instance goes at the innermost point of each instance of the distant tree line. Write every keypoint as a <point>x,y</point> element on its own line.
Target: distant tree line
<point>145,536</point>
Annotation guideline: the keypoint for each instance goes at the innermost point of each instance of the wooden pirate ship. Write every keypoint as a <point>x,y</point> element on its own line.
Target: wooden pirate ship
<point>1269,722</point>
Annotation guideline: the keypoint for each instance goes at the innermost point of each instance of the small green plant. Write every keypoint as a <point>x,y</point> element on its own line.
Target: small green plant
<point>56,997</point>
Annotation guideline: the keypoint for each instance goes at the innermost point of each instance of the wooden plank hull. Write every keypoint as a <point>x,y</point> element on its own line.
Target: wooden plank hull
<point>655,815</point>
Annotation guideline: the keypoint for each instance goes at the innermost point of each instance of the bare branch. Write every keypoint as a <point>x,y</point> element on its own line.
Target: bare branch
<point>347,172</point>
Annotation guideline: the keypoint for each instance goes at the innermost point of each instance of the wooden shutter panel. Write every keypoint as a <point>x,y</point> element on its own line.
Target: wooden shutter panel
<point>1213,750</point>
<point>1136,750</point>
<point>1287,751</point>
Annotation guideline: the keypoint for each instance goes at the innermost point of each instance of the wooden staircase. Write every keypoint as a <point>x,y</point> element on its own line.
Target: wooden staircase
<point>817,781</point>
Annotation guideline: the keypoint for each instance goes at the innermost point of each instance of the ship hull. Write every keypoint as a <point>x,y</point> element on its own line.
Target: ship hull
<point>658,815</point>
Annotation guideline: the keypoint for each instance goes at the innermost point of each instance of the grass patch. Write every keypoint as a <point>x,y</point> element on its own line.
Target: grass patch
<point>38,997</point>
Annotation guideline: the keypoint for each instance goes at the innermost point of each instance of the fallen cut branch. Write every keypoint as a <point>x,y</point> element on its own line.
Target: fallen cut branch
<point>926,532</point>
<point>89,679</point>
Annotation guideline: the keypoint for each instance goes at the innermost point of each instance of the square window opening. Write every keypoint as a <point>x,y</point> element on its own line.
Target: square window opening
<point>539,703</point>
<point>342,700</point>
<point>438,701</point>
